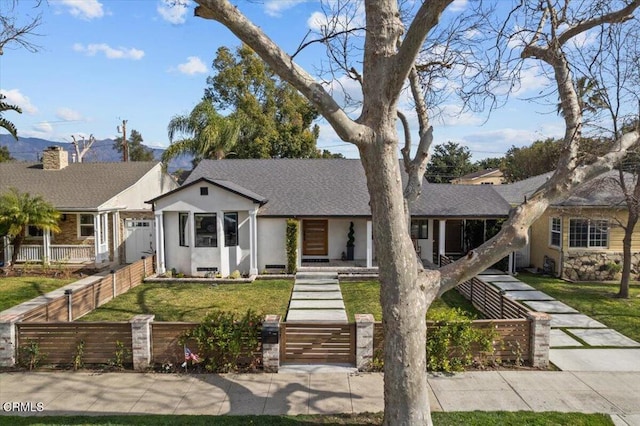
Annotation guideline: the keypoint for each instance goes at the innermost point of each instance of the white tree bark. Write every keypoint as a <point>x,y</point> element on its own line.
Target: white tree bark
<point>407,290</point>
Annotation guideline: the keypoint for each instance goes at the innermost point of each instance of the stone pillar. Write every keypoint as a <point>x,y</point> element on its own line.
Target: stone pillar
<point>141,341</point>
<point>364,340</point>
<point>271,343</point>
<point>540,328</point>
<point>8,340</point>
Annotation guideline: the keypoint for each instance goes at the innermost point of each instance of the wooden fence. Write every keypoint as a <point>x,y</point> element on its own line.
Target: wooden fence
<point>511,342</point>
<point>488,299</point>
<point>79,300</point>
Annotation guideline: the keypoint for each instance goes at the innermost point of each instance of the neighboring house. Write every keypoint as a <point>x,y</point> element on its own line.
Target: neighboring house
<point>231,215</point>
<point>103,214</point>
<point>482,177</point>
<point>580,237</point>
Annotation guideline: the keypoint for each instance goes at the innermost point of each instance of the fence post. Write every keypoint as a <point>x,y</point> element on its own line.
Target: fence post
<point>69,293</point>
<point>144,267</point>
<point>8,340</point>
<point>113,283</point>
<point>364,340</point>
<point>141,341</point>
<point>540,335</point>
<point>271,343</point>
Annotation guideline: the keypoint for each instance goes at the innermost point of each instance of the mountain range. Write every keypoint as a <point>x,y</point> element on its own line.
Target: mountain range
<point>102,151</point>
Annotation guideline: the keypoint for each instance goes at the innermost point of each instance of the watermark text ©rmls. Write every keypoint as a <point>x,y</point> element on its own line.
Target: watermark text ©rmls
<point>22,407</point>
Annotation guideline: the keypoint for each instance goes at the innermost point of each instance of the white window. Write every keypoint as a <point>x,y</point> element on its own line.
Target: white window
<point>183,221</point>
<point>85,225</point>
<point>206,230</point>
<point>555,232</point>
<point>588,233</point>
<point>33,232</point>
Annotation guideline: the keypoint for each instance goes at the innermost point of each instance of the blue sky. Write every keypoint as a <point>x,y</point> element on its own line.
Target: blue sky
<point>104,61</point>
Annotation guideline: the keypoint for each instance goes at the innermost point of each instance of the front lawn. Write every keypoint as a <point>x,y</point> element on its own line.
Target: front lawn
<point>596,300</point>
<point>16,290</point>
<point>502,418</point>
<point>191,302</point>
<point>364,298</point>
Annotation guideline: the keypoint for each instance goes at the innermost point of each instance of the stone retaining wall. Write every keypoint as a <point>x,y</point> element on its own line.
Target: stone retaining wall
<point>590,266</point>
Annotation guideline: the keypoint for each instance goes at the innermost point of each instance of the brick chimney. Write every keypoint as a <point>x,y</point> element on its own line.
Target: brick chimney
<point>55,158</point>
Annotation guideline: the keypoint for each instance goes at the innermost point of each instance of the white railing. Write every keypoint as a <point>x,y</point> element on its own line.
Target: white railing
<point>71,253</point>
<point>59,253</point>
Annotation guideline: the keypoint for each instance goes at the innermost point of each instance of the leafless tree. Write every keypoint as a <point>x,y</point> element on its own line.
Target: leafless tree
<point>390,50</point>
<point>17,30</point>
<point>82,147</point>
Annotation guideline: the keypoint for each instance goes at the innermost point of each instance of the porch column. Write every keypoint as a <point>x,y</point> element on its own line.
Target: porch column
<point>115,223</point>
<point>224,251</point>
<point>441,238</point>
<point>97,236</point>
<point>512,266</point>
<point>253,242</point>
<point>7,247</point>
<point>105,235</point>
<point>160,266</point>
<point>369,244</point>
<point>46,247</point>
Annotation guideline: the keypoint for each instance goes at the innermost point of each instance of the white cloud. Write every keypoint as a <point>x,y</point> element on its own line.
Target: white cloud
<point>109,52</point>
<point>67,114</point>
<point>276,7</point>
<point>42,130</point>
<point>14,97</point>
<point>194,65</point>
<point>458,5</point>
<point>84,9</point>
<point>174,11</point>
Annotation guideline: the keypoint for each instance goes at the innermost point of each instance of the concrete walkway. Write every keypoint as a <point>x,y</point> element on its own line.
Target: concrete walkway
<point>86,393</point>
<point>578,342</point>
<point>316,296</point>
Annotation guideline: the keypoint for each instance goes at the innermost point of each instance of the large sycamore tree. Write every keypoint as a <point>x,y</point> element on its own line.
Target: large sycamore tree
<point>398,49</point>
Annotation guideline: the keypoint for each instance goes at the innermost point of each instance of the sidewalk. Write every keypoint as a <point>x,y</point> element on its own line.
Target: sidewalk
<point>83,393</point>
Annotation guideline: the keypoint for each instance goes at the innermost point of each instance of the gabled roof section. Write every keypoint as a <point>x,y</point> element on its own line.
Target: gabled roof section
<point>77,186</point>
<point>516,192</point>
<point>479,174</point>
<point>225,184</point>
<point>338,187</point>
<point>603,191</point>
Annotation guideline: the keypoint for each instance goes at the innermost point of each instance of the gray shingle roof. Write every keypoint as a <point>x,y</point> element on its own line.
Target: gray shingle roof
<point>337,187</point>
<point>515,192</point>
<point>77,186</point>
<point>603,191</point>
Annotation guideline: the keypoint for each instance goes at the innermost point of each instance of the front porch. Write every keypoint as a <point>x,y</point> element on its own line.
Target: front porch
<point>84,238</point>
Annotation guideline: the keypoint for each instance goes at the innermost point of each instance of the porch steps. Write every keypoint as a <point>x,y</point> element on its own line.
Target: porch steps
<point>316,296</point>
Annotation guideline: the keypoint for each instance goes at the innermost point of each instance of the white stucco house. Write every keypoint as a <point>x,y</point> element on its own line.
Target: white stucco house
<point>231,215</point>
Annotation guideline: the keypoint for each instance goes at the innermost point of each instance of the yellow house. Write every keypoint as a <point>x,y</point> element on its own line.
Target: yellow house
<point>482,177</point>
<point>579,238</point>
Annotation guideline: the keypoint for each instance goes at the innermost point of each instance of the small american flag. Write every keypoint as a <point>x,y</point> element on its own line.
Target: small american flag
<point>189,356</point>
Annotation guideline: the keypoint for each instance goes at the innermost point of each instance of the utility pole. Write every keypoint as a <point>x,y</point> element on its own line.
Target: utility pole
<point>125,144</point>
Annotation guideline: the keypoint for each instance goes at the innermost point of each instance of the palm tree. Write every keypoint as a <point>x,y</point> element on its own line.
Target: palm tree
<point>20,210</point>
<point>208,135</point>
<point>4,123</point>
<point>591,97</point>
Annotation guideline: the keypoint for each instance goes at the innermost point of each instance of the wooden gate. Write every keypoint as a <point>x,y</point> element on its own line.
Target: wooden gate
<point>318,343</point>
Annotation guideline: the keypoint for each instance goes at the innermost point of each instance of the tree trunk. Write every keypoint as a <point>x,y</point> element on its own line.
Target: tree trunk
<point>626,255</point>
<point>16,242</point>
<point>404,302</point>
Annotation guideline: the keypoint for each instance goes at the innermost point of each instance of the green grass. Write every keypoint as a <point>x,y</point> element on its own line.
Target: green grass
<point>192,302</point>
<point>476,418</point>
<point>15,290</point>
<point>597,300</point>
<point>364,298</point>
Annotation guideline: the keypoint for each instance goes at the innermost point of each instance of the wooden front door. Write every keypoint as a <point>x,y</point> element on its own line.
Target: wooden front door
<point>315,237</point>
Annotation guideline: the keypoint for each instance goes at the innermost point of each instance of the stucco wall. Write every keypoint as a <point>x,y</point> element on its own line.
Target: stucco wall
<point>272,242</point>
<point>154,183</point>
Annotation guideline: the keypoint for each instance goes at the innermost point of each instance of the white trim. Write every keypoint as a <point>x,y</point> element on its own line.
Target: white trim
<point>551,231</point>
<point>369,244</point>
<point>160,265</point>
<point>589,224</point>
<point>442,224</point>
<point>253,242</point>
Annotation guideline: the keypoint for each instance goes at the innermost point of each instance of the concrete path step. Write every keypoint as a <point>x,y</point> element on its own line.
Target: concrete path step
<point>316,287</point>
<point>316,296</point>
<point>324,315</point>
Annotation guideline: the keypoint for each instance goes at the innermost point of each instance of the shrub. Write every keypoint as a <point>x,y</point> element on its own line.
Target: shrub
<point>30,356</point>
<point>292,245</point>
<point>226,341</point>
<point>450,340</point>
<point>235,275</point>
